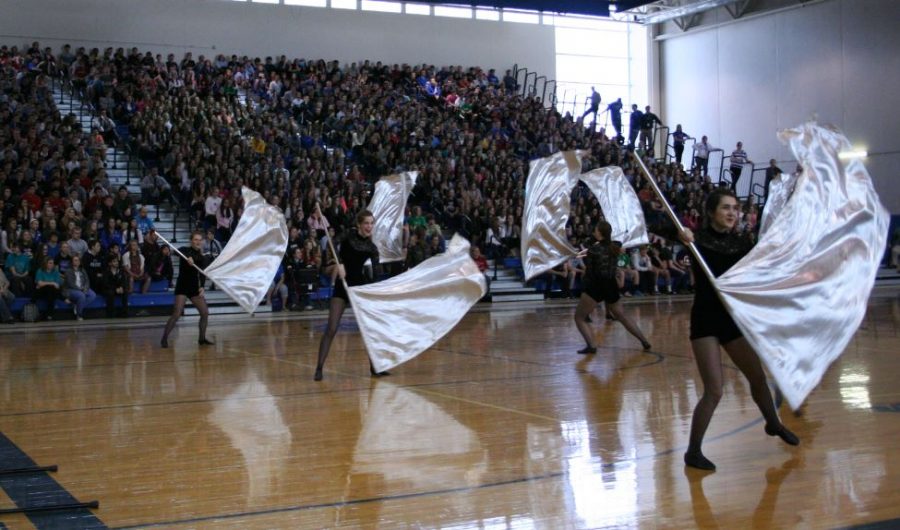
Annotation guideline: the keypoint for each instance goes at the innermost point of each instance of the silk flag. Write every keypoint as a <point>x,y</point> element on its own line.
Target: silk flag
<point>403,316</point>
<point>620,204</point>
<point>780,190</point>
<point>388,205</point>
<point>548,195</point>
<point>248,263</point>
<point>801,293</point>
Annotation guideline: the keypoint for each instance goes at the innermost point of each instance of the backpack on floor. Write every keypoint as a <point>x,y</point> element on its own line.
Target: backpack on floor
<point>30,312</point>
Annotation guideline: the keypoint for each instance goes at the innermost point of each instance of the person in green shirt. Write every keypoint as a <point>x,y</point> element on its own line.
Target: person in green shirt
<point>47,286</point>
<point>18,265</point>
<point>417,219</point>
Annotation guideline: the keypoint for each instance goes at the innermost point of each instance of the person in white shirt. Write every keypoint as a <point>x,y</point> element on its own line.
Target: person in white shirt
<point>738,159</point>
<point>211,207</point>
<point>702,149</point>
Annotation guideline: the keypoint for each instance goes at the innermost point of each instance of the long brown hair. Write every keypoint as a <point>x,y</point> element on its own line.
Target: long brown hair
<point>605,230</point>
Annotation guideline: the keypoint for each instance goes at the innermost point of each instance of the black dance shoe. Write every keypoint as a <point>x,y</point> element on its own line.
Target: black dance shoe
<point>164,343</point>
<point>697,460</point>
<point>782,432</point>
<point>587,350</point>
<point>373,373</point>
<point>646,345</point>
<point>318,376</point>
<point>205,342</point>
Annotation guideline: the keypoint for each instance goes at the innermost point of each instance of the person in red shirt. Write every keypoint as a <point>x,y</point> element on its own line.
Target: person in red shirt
<point>482,263</point>
<point>34,201</point>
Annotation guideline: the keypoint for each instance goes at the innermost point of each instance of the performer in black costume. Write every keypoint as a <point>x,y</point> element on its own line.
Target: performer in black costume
<point>356,248</point>
<point>712,326</point>
<point>189,285</point>
<point>600,286</point>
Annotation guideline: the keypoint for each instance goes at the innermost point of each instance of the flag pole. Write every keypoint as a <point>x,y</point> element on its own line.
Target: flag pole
<point>337,260</point>
<point>185,258</point>
<point>680,227</point>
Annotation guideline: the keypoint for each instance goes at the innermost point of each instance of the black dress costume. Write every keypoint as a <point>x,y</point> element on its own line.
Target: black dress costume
<point>189,281</point>
<point>720,250</point>
<point>600,272</point>
<point>355,251</point>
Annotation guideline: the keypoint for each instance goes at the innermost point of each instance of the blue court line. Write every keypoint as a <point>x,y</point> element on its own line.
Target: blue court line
<point>286,395</point>
<point>40,489</point>
<point>887,524</point>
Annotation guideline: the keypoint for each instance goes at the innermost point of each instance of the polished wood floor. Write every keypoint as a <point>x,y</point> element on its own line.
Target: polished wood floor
<point>500,425</point>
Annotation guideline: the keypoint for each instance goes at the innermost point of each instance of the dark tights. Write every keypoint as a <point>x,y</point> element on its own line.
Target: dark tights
<point>586,306</point>
<point>335,312</point>
<point>180,301</point>
<point>709,362</point>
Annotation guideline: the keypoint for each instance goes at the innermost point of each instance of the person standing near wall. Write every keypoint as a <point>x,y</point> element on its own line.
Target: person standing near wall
<point>615,113</point>
<point>678,139</point>
<point>702,149</point>
<point>738,159</point>
<point>648,121</point>
<point>634,124</point>
<point>595,106</point>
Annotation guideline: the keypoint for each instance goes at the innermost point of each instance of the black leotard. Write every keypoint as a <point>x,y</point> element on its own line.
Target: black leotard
<point>600,272</point>
<point>720,250</point>
<point>189,281</point>
<point>355,251</point>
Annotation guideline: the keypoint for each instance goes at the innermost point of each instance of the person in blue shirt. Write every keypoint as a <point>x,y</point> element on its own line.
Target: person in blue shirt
<point>634,124</point>
<point>18,265</point>
<point>678,139</point>
<point>47,286</point>
<point>615,114</point>
<point>144,223</point>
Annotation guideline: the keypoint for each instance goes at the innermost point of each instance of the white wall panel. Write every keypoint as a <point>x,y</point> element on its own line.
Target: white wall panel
<point>217,26</point>
<point>838,60</point>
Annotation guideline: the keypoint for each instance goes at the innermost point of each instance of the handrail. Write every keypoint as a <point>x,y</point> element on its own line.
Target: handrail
<point>544,89</point>
<point>754,183</point>
<point>760,196</point>
<point>721,154</point>
<point>521,84</point>
<point>654,139</point>
<point>525,86</point>
<point>553,93</point>
<point>731,182</point>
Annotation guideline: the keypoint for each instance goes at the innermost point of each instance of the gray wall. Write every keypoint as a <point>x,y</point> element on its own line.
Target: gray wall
<point>218,26</point>
<point>838,60</point>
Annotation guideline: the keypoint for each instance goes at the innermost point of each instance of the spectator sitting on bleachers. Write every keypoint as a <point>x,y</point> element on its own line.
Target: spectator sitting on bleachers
<point>47,287</point>
<point>77,246</point>
<point>94,262</point>
<point>133,263</point>
<point>77,288</point>
<point>115,285</point>
<point>6,299</point>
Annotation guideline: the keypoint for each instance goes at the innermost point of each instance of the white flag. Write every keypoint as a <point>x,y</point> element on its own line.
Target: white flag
<point>620,204</point>
<point>444,450</point>
<point>388,205</point>
<point>403,316</point>
<point>801,292</point>
<point>248,263</point>
<point>548,196</point>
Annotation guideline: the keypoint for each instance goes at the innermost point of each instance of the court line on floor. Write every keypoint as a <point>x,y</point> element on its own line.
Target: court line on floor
<point>404,496</point>
<point>40,489</point>
<point>286,395</point>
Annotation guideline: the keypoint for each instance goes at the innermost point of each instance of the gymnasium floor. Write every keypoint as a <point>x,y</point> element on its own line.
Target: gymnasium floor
<point>500,425</point>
